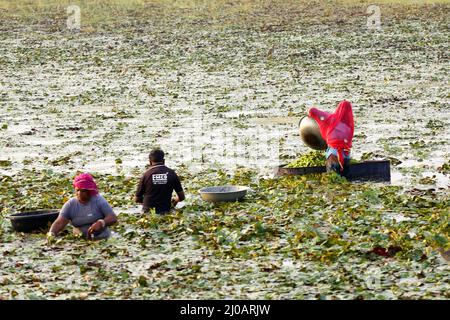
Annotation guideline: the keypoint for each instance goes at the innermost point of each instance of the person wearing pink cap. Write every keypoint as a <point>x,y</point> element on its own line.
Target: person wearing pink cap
<point>88,212</point>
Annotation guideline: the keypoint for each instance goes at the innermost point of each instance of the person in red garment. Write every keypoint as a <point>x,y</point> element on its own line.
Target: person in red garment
<point>337,130</point>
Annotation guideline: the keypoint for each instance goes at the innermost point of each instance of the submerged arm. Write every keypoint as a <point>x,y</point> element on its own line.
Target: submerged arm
<point>58,225</point>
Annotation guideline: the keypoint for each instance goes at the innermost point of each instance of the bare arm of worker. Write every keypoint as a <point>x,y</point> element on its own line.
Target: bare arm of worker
<point>58,225</point>
<point>109,220</point>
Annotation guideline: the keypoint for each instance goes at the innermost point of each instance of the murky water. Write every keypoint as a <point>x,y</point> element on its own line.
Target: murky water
<point>104,103</point>
<point>216,98</point>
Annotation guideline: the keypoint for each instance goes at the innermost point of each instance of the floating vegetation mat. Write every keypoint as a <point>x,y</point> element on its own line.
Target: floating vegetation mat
<point>310,159</point>
<point>294,237</point>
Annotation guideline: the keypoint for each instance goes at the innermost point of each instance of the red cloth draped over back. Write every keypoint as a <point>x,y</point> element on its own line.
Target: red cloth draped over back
<point>337,128</point>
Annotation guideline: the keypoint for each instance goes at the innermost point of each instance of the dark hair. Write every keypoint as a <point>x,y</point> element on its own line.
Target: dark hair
<point>156,155</point>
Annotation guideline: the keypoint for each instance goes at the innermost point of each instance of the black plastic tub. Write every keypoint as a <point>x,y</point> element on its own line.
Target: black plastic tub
<point>378,171</point>
<point>39,220</point>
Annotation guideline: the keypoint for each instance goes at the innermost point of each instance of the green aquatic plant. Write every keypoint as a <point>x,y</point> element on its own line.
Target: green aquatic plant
<point>445,168</point>
<point>5,163</point>
<point>323,225</point>
<point>309,237</point>
<point>310,159</point>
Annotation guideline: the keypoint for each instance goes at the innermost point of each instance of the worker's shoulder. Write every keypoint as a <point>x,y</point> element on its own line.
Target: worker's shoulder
<point>72,201</point>
<point>99,199</point>
<point>159,169</point>
<point>165,169</point>
<point>169,169</point>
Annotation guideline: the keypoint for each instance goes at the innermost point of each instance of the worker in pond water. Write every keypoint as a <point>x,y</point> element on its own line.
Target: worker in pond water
<point>156,186</point>
<point>337,130</point>
<point>88,212</point>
